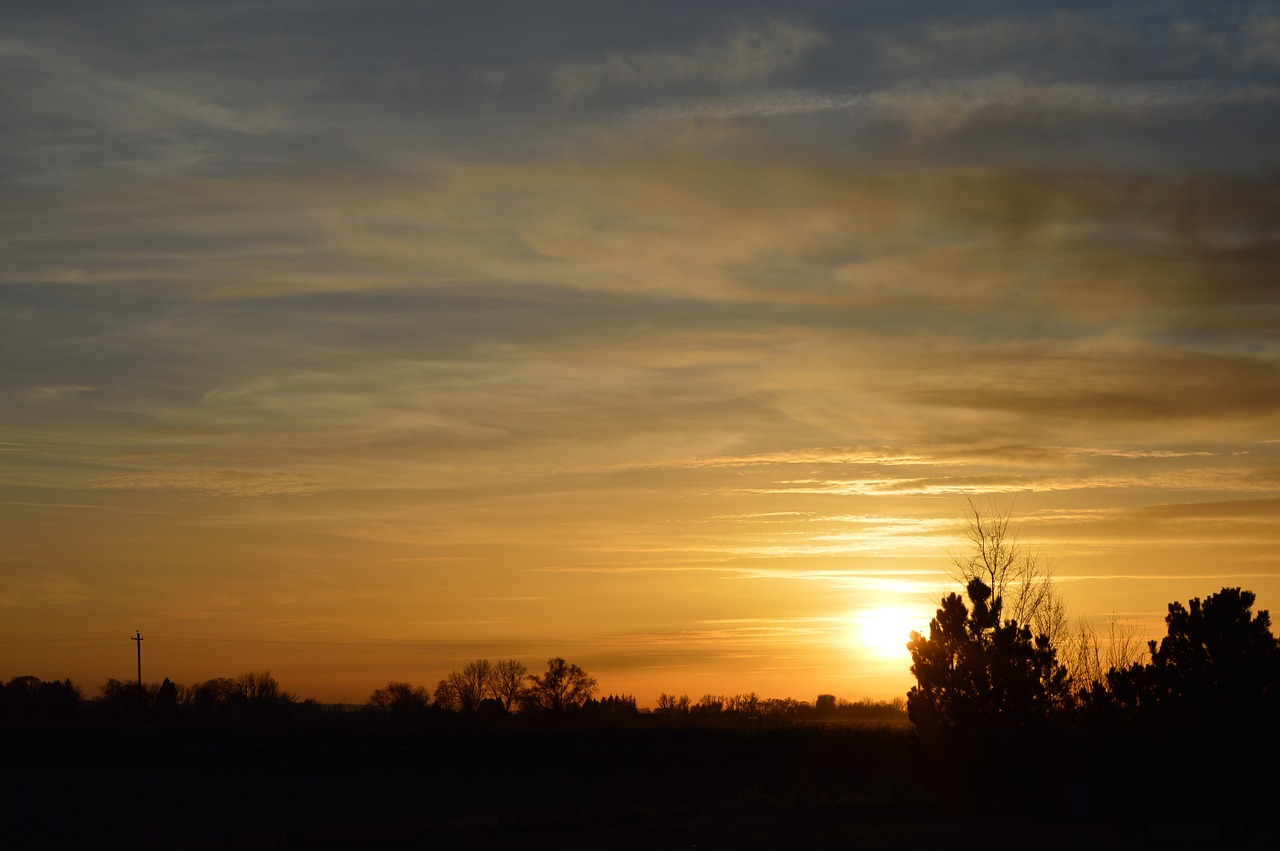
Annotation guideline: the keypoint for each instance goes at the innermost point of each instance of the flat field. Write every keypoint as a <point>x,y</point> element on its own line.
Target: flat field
<point>551,788</point>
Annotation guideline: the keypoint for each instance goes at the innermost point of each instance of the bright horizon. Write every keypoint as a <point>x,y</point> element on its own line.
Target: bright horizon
<point>354,342</point>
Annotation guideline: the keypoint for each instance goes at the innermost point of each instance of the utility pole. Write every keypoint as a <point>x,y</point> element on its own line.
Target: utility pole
<point>137,636</point>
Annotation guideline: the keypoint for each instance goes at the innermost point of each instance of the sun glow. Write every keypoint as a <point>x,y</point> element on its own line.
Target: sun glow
<point>883,632</point>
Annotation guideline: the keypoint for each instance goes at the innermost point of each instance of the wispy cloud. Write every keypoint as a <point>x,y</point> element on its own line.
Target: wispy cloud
<point>1178,479</point>
<point>216,482</point>
<point>56,589</point>
<point>61,392</point>
<point>941,107</point>
<point>1262,39</point>
<point>744,53</point>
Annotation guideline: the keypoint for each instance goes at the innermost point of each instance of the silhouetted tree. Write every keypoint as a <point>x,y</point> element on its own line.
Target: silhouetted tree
<point>118,700</point>
<point>564,686</point>
<point>876,711</point>
<point>401,703</point>
<point>987,693</point>
<point>614,705</point>
<point>1217,655</point>
<point>165,704</point>
<point>976,675</point>
<point>257,697</point>
<point>462,691</point>
<point>1089,655</point>
<point>746,705</point>
<point>670,705</point>
<point>1202,712</point>
<point>208,700</point>
<point>507,683</point>
<point>29,698</point>
<point>20,696</point>
<point>1218,662</point>
<point>784,709</point>
<point>1017,575</point>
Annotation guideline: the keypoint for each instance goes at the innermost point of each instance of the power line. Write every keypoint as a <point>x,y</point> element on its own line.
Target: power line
<point>113,637</point>
<point>74,644</point>
<point>385,643</point>
<point>261,643</point>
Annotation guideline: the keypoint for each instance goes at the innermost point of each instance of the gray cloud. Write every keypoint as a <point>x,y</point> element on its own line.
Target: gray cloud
<point>1262,40</point>
<point>746,53</point>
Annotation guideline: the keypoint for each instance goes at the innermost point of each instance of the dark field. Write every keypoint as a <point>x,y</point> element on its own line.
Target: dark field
<point>579,788</point>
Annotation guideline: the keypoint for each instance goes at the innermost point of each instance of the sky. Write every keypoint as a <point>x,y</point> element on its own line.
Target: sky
<point>355,341</point>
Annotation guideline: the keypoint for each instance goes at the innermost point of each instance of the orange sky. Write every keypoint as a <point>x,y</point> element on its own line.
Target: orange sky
<point>675,349</point>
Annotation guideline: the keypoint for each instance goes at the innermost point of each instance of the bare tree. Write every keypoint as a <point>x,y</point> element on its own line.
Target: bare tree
<point>400,701</point>
<point>445,695</point>
<point>506,684</point>
<point>255,686</point>
<point>1090,655</point>
<point>1020,579</point>
<point>562,687</point>
<point>462,691</point>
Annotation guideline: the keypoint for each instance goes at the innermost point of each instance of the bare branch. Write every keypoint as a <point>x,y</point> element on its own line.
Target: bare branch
<point>1091,655</point>
<point>1020,579</point>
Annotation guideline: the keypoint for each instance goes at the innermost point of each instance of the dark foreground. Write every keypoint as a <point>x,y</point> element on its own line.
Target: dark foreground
<point>560,789</point>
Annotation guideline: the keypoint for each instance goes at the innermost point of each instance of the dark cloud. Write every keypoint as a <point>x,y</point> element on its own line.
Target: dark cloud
<point>1150,386</point>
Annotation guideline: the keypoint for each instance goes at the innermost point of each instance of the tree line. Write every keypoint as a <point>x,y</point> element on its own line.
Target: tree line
<point>251,697</point>
<point>480,690</point>
<point>489,689</point>
<point>482,687</point>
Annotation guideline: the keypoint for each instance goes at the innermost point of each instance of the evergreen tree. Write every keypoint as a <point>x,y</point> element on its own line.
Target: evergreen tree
<point>976,675</point>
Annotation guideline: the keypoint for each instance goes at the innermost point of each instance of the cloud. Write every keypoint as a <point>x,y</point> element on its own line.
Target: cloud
<point>232,483</point>
<point>1241,510</point>
<point>56,589</point>
<point>62,392</point>
<point>89,113</point>
<point>1261,36</point>
<point>1141,383</point>
<point>678,215</point>
<point>1068,44</point>
<point>681,273</point>
<point>816,455</point>
<point>680,305</point>
<point>999,119</point>
<point>746,53</point>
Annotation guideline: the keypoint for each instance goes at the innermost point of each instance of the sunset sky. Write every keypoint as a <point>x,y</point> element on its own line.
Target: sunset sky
<point>354,341</point>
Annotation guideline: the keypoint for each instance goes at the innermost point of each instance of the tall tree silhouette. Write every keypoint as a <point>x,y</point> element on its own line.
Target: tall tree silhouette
<point>1018,575</point>
<point>257,697</point>
<point>31,698</point>
<point>564,686</point>
<point>1202,712</point>
<point>400,702</point>
<point>1217,652</point>
<point>1218,661</point>
<point>976,675</point>
<point>507,683</point>
<point>463,691</point>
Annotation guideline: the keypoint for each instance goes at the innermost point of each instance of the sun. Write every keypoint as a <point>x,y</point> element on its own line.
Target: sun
<point>883,632</point>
